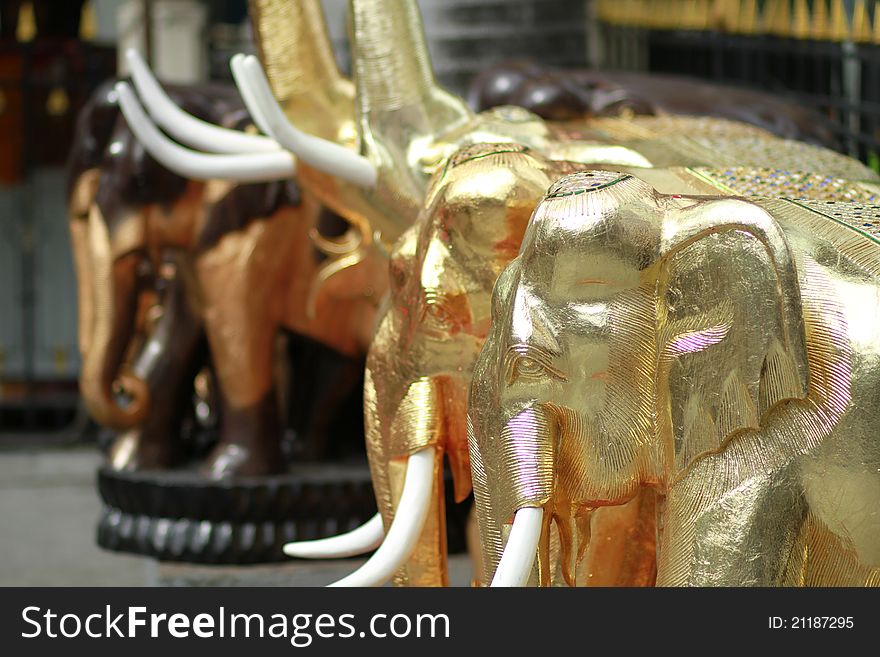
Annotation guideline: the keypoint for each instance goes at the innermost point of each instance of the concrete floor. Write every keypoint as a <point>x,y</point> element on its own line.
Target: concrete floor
<point>48,509</point>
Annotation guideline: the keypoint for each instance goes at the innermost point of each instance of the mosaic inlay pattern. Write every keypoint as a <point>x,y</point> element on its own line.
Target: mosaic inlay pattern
<point>863,217</point>
<point>786,154</point>
<point>778,183</point>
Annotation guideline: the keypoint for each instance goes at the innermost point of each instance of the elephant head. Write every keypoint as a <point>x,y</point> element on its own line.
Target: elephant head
<point>634,333</point>
<point>420,362</point>
<point>115,193</point>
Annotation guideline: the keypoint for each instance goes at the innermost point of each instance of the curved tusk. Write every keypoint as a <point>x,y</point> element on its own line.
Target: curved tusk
<point>185,127</point>
<point>409,519</point>
<point>365,538</point>
<point>319,153</point>
<point>521,549</point>
<point>251,167</point>
<point>246,90</point>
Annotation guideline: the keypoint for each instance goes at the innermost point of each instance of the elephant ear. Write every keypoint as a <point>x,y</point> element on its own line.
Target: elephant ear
<point>725,340</point>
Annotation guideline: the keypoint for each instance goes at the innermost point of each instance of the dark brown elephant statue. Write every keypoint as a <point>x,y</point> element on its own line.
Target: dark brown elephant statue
<point>240,262</point>
<point>568,94</point>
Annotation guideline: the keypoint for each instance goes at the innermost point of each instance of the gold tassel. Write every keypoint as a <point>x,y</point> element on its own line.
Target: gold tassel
<point>734,11</point>
<point>782,24</point>
<point>88,24</point>
<point>748,22</point>
<point>768,16</point>
<point>702,17</point>
<point>688,11</point>
<point>717,15</point>
<point>642,14</point>
<point>26,29</point>
<point>723,16</point>
<point>801,26</point>
<point>664,13</point>
<point>877,23</point>
<point>861,31</point>
<point>821,28</point>
<point>839,25</point>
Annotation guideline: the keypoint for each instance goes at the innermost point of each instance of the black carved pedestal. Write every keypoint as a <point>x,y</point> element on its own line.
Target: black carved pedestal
<point>178,515</point>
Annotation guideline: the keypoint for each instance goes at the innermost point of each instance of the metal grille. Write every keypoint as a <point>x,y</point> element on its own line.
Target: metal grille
<point>839,80</point>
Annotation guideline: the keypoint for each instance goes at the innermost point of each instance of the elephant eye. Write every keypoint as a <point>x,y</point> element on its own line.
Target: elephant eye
<point>439,313</point>
<point>526,367</point>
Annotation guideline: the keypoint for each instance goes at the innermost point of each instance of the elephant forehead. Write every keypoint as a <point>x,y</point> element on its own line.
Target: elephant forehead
<point>533,321</point>
<point>438,270</point>
<point>582,275</point>
<point>597,210</point>
<point>584,182</point>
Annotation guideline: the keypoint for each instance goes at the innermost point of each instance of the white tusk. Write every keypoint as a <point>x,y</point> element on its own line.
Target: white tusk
<point>319,153</point>
<point>246,90</point>
<point>365,538</point>
<point>522,545</point>
<point>185,127</point>
<point>406,527</point>
<point>251,167</point>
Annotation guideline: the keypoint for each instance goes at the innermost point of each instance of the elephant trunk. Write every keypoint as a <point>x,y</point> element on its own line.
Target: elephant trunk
<point>409,492</point>
<point>527,509</point>
<point>109,305</point>
<point>408,432</point>
<point>514,487</point>
<point>394,433</point>
<point>79,239</point>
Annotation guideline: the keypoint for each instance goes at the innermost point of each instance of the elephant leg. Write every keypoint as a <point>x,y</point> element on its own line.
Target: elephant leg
<point>250,426</point>
<point>250,439</point>
<point>323,410</point>
<point>240,335</point>
<point>168,363</point>
<point>244,274</point>
<point>740,534</point>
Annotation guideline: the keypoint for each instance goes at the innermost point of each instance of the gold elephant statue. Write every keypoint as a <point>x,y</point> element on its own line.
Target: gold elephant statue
<point>420,363</point>
<point>716,353</point>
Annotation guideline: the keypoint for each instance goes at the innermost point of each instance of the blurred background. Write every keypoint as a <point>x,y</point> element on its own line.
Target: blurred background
<point>821,54</point>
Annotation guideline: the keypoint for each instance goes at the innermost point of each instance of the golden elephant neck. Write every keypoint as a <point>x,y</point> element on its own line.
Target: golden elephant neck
<point>392,66</point>
<point>297,54</point>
